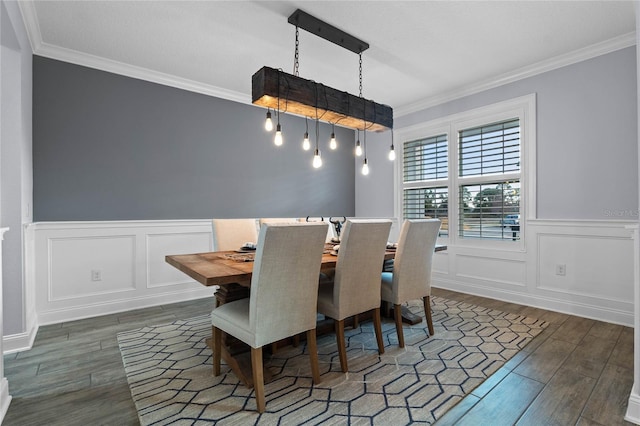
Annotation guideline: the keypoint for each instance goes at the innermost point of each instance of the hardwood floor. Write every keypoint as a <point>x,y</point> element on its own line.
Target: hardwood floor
<point>576,372</point>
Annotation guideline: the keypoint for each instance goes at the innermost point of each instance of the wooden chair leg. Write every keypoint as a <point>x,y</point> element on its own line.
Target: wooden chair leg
<point>377,324</point>
<point>427,313</point>
<point>274,347</point>
<point>258,378</point>
<point>217,349</point>
<point>342,349</point>
<point>397,313</point>
<point>296,340</point>
<point>313,355</point>
<point>356,321</point>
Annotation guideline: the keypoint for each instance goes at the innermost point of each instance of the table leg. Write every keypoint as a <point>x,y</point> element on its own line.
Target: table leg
<point>407,316</point>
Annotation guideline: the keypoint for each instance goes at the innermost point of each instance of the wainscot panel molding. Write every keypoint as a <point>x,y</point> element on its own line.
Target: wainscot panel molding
<point>583,268</point>
<point>85,269</point>
<point>633,405</point>
<point>82,269</point>
<point>5,397</point>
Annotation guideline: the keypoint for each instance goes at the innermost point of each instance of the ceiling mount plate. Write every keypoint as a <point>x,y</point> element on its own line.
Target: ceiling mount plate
<point>327,31</point>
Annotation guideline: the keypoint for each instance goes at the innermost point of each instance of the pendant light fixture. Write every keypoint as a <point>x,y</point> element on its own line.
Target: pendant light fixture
<point>268,123</point>
<point>392,151</point>
<point>306,145</point>
<point>317,160</point>
<point>277,140</point>
<point>300,96</point>
<point>333,144</point>
<point>365,165</point>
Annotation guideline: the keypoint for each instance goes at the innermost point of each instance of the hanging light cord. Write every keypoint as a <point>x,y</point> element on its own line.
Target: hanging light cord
<point>360,71</point>
<point>296,56</point>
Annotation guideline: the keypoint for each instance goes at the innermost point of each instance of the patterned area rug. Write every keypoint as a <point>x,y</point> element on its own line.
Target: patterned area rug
<point>170,374</point>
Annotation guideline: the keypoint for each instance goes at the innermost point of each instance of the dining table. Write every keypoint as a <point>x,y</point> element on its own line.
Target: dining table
<point>231,271</point>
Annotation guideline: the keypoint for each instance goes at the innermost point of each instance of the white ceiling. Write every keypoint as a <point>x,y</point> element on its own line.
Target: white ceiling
<point>421,52</point>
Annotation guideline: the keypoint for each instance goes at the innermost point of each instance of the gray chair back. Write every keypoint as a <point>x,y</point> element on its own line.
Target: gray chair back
<point>360,258</point>
<point>414,258</point>
<point>284,284</point>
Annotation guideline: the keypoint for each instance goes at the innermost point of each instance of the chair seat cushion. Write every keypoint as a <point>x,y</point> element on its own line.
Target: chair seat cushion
<point>233,318</point>
<point>386,289</point>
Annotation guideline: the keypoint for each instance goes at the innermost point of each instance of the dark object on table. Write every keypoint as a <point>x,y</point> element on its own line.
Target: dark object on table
<point>337,223</point>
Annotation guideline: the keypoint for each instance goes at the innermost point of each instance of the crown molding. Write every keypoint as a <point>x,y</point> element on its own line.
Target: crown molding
<point>46,50</point>
<point>30,19</point>
<point>29,15</point>
<point>91,61</point>
<point>589,52</point>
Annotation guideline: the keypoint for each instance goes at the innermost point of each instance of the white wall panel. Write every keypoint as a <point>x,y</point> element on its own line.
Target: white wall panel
<point>598,261</point>
<point>129,256</point>
<point>594,265</point>
<point>497,271</point>
<point>159,273</point>
<point>73,261</point>
<point>440,263</point>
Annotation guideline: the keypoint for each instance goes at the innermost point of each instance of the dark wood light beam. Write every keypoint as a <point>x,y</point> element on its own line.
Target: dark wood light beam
<point>300,96</point>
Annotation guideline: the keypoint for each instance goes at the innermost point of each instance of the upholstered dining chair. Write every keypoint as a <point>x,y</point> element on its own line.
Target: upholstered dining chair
<point>264,220</point>
<point>411,276</point>
<point>355,287</point>
<point>331,232</point>
<point>283,297</point>
<point>231,234</point>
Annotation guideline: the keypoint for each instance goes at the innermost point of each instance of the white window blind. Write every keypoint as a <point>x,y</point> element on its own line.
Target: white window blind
<point>490,149</point>
<point>426,159</point>
<point>489,209</point>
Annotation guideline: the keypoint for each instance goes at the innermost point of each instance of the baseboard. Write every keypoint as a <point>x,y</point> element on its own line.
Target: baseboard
<point>20,342</point>
<point>596,312</point>
<point>116,306</point>
<point>633,407</point>
<point>5,398</point>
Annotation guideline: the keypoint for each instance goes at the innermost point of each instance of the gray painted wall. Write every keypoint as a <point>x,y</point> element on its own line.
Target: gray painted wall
<point>108,147</point>
<point>587,158</point>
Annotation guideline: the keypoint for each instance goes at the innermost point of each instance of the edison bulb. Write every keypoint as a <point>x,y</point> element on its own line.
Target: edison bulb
<point>392,154</point>
<point>278,138</point>
<point>358,149</point>
<point>268,124</point>
<point>365,168</point>
<point>333,144</point>
<point>306,145</point>
<point>317,161</point>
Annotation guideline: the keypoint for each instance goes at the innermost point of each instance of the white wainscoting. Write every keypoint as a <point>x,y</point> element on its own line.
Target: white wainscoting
<point>84,269</point>
<point>5,397</point>
<point>63,257</point>
<point>597,257</point>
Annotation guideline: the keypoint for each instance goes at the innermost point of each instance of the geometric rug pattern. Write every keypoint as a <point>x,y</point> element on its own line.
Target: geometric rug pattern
<point>170,375</point>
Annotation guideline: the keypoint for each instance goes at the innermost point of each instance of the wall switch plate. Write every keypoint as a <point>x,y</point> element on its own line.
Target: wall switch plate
<point>96,275</point>
<point>561,269</point>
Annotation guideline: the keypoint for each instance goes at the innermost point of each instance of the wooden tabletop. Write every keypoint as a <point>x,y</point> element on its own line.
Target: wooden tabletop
<point>226,267</point>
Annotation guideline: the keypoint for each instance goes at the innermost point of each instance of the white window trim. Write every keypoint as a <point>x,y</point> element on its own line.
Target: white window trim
<point>524,108</point>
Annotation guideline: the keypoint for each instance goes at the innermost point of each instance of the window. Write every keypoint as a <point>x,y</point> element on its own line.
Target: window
<point>469,170</point>
<point>489,150</point>
<point>425,170</point>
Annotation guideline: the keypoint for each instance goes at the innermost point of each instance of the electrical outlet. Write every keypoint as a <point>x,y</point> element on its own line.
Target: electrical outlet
<point>96,275</point>
<point>561,269</point>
